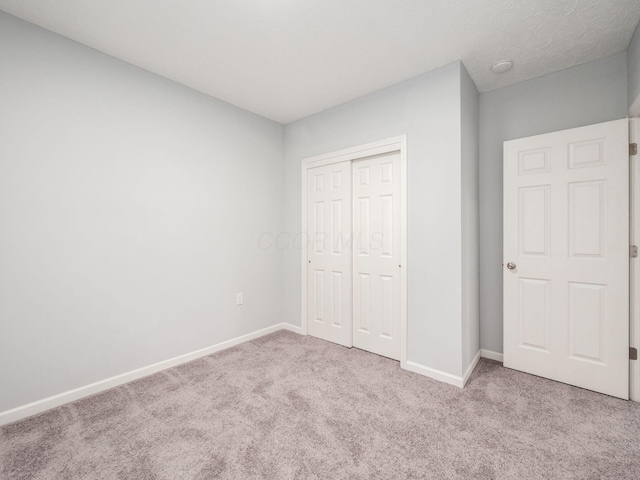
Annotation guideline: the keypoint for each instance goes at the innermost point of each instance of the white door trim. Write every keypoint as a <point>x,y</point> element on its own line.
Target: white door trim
<point>634,264</point>
<point>347,155</point>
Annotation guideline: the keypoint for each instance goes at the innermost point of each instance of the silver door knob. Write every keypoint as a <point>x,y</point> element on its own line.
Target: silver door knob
<point>511,265</point>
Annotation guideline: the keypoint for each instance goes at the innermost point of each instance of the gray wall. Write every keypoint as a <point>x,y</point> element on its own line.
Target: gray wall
<point>590,93</point>
<point>130,213</point>
<point>118,247</point>
<point>470,219</point>
<point>633,69</point>
<point>426,108</point>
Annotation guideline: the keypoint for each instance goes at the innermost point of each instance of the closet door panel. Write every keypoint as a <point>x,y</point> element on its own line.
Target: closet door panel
<point>376,254</point>
<point>329,269</point>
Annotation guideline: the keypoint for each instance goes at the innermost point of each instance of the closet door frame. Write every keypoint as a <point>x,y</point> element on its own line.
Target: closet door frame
<point>395,144</point>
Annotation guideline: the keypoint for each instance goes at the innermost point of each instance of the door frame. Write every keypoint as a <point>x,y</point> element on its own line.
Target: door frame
<point>634,263</point>
<point>389,145</point>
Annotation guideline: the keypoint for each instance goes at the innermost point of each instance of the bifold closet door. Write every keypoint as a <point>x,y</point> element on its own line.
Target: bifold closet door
<point>376,254</point>
<point>329,268</point>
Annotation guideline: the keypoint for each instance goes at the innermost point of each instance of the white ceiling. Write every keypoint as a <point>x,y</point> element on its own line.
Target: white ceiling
<point>286,59</point>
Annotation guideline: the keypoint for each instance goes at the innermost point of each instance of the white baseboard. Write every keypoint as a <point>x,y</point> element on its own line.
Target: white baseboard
<point>491,355</point>
<point>434,373</point>
<point>18,413</point>
<point>441,376</point>
<point>472,366</point>
<point>292,328</point>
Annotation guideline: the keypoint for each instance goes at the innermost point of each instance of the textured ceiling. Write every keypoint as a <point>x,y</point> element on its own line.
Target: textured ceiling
<point>286,59</point>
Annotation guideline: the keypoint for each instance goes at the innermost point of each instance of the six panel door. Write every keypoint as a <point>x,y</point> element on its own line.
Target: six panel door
<point>329,268</point>
<point>376,254</point>
<point>566,256</point>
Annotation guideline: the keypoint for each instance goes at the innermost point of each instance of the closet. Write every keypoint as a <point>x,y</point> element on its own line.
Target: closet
<point>354,284</point>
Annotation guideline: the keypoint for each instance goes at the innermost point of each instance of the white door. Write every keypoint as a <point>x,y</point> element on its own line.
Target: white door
<point>376,257</point>
<point>329,254</point>
<point>566,256</point>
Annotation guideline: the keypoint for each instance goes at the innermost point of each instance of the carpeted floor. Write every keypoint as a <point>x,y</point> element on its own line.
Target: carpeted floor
<point>288,406</point>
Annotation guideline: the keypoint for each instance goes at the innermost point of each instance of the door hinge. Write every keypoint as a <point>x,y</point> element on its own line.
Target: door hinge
<point>633,353</point>
<point>633,149</point>
<point>633,251</point>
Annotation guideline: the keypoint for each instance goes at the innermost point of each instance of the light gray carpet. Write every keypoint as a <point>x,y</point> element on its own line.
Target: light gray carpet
<point>287,406</point>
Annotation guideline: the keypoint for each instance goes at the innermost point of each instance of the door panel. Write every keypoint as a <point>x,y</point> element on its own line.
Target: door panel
<point>376,261</point>
<point>330,258</point>
<point>566,230</point>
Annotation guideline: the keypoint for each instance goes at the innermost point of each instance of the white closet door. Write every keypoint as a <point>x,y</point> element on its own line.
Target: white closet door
<point>376,254</point>
<point>566,256</point>
<point>329,270</point>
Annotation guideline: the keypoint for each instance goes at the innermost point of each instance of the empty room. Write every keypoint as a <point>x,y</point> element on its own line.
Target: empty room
<point>304,239</point>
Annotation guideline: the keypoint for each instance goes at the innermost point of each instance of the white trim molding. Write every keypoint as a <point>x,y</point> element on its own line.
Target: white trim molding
<point>471,368</point>
<point>24,411</point>
<point>394,144</point>
<point>433,373</point>
<point>439,375</point>
<point>498,357</point>
<point>292,328</point>
<point>634,265</point>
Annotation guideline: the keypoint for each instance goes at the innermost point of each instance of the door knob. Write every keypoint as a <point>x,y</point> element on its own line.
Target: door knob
<point>511,265</point>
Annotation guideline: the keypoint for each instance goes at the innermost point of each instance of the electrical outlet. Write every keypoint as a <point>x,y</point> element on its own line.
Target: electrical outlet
<point>239,299</point>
